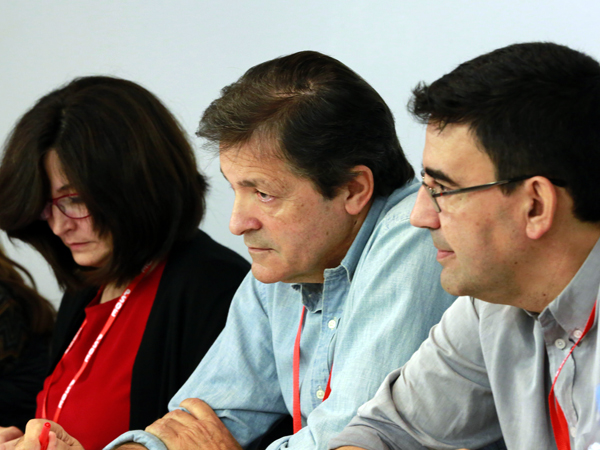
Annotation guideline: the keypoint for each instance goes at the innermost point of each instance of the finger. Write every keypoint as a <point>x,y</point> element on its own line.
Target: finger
<point>10,445</point>
<point>204,413</point>
<point>56,444</point>
<point>207,417</point>
<point>167,430</point>
<point>52,441</point>
<point>199,409</point>
<point>175,422</point>
<point>34,427</point>
<point>32,434</point>
<point>9,433</point>
<point>63,439</point>
<point>31,439</point>
<point>177,436</point>
<point>178,416</point>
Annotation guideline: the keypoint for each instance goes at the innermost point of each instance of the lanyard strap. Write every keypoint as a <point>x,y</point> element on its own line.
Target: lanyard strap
<point>296,408</point>
<point>92,350</point>
<point>560,427</point>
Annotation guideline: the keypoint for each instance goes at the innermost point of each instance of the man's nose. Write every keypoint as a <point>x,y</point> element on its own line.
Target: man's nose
<point>424,214</point>
<point>242,218</point>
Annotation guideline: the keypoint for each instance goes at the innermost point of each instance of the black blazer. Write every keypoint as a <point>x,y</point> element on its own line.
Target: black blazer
<point>189,312</point>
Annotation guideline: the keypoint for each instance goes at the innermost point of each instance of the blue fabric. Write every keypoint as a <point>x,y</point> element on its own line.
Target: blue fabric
<point>372,312</point>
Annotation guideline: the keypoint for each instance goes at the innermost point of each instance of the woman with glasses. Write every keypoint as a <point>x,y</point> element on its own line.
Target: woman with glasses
<point>26,323</point>
<point>99,178</point>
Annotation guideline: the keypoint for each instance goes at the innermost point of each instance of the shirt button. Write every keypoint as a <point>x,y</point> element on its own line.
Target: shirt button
<point>320,394</point>
<point>577,334</point>
<point>560,344</point>
<point>573,431</point>
<point>331,324</point>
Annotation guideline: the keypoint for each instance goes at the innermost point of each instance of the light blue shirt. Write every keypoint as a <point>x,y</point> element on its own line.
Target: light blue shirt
<point>369,316</point>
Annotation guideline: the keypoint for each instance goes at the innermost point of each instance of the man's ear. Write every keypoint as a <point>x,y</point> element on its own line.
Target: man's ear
<point>359,190</point>
<point>541,208</point>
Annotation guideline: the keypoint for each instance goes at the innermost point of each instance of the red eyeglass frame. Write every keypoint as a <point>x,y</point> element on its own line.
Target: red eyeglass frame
<point>47,211</point>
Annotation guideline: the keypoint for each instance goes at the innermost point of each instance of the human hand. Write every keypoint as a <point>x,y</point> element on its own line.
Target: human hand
<point>59,439</point>
<point>199,429</point>
<point>9,433</point>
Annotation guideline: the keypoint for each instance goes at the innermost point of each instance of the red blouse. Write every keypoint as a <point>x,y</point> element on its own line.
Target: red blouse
<point>97,408</point>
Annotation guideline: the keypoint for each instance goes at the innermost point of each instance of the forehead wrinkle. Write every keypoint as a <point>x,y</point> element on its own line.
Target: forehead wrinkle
<point>271,184</point>
<point>263,162</point>
<point>259,182</point>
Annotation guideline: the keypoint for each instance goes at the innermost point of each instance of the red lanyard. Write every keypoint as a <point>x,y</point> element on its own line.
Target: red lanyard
<point>107,325</point>
<point>297,413</point>
<point>560,426</point>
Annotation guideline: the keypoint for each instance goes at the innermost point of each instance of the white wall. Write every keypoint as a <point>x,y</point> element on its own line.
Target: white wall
<point>185,51</point>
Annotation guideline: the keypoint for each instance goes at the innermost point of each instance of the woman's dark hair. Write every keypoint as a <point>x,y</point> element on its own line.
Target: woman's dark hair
<point>38,311</point>
<point>126,156</point>
<point>535,109</point>
<point>320,115</point>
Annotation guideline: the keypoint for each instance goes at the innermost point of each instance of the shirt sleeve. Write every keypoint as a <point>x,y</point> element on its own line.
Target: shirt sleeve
<point>395,299</point>
<point>238,372</point>
<point>440,399</point>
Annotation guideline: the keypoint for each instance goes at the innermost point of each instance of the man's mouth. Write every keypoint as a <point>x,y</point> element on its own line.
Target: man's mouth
<point>443,254</point>
<point>443,249</point>
<point>258,249</point>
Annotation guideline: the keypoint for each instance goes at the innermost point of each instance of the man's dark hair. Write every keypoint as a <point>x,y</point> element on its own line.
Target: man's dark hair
<point>535,109</point>
<point>321,116</point>
<point>128,159</point>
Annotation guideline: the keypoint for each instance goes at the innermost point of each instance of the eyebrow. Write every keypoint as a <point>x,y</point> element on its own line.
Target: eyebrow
<point>440,176</point>
<point>246,183</point>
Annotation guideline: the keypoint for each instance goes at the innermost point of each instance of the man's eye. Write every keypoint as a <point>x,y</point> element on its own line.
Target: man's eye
<point>432,184</point>
<point>440,187</point>
<point>264,197</point>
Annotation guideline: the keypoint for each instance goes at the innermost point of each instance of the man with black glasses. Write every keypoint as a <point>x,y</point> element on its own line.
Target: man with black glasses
<point>517,355</point>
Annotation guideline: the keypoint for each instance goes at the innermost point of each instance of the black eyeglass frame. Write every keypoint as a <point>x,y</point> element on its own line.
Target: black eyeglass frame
<point>434,195</point>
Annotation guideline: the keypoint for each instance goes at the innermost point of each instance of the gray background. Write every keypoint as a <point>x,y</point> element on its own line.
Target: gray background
<point>186,51</point>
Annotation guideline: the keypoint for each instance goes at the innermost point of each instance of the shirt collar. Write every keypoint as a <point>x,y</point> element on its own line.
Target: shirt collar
<point>355,251</point>
<point>312,295</point>
<point>572,307</point>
